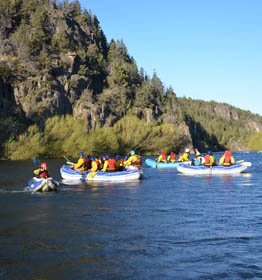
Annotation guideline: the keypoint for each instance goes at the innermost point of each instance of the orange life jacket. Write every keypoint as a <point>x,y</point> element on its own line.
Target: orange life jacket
<point>227,159</point>
<point>163,156</point>
<point>207,160</point>
<point>173,156</point>
<point>138,162</point>
<point>111,164</point>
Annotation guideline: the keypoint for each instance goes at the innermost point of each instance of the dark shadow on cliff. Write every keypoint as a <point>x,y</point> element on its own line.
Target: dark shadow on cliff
<point>201,139</point>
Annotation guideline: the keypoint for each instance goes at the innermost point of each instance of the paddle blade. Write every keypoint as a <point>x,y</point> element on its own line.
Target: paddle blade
<point>91,175</point>
<point>35,161</point>
<point>66,158</point>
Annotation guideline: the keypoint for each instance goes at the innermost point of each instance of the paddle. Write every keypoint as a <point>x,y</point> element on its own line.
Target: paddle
<point>36,162</point>
<point>242,161</point>
<point>246,163</point>
<point>68,161</point>
<point>37,165</point>
<point>91,174</point>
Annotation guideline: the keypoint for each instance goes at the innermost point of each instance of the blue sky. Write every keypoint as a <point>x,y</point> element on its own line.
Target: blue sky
<point>205,49</point>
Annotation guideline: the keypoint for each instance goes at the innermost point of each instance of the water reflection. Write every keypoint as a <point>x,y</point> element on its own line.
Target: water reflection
<point>95,186</point>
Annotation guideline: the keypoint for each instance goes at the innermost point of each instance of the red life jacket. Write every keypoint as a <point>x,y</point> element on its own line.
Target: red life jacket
<point>138,162</point>
<point>227,158</point>
<point>43,174</point>
<point>163,156</point>
<point>173,156</point>
<point>111,164</point>
<point>207,160</point>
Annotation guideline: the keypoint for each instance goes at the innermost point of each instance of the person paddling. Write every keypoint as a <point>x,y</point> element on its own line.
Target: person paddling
<point>119,165</point>
<point>82,163</point>
<point>162,157</point>
<point>42,172</point>
<point>111,164</point>
<point>197,153</point>
<point>227,159</point>
<point>210,160</point>
<point>171,157</point>
<point>105,162</point>
<point>134,160</point>
<point>185,155</point>
<point>199,159</point>
<point>94,166</point>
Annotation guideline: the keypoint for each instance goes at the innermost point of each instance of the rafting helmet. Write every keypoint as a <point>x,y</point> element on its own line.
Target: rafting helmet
<point>81,154</point>
<point>187,150</point>
<point>43,165</point>
<point>210,152</point>
<point>132,153</point>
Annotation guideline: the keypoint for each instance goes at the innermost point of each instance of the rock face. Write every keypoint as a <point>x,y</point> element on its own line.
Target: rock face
<point>89,111</point>
<point>7,99</point>
<point>225,112</point>
<point>254,125</point>
<point>38,63</point>
<point>40,100</point>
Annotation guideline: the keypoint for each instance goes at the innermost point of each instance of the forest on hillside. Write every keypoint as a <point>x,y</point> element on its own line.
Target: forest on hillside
<point>65,88</point>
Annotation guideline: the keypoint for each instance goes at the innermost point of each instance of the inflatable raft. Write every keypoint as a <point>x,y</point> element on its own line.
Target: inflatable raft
<point>118,176</point>
<point>215,170</point>
<point>153,163</point>
<point>42,185</point>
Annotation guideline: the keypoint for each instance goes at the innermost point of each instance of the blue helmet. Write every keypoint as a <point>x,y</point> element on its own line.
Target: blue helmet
<point>125,157</point>
<point>132,153</point>
<point>81,154</point>
<point>117,156</point>
<point>210,152</point>
<point>91,158</point>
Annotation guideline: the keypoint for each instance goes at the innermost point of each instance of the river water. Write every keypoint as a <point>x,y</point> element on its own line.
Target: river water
<point>165,226</point>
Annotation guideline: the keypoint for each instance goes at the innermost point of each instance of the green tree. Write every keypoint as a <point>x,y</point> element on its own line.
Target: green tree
<point>255,142</point>
<point>31,143</point>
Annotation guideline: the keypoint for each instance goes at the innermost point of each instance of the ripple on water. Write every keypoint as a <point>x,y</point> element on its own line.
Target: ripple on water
<point>165,226</point>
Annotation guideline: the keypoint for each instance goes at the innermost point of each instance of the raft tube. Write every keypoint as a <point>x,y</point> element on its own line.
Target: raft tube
<point>118,176</point>
<point>153,163</point>
<point>215,170</point>
<point>42,185</point>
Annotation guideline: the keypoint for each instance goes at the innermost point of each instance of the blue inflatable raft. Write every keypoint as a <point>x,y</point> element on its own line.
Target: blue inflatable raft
<point>153,163</point>
<point>42,185</point>
<point>70,174</point>
<point>215,170</point>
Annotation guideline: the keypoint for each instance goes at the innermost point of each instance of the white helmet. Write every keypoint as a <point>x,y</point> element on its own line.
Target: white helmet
<point>187,150</point>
